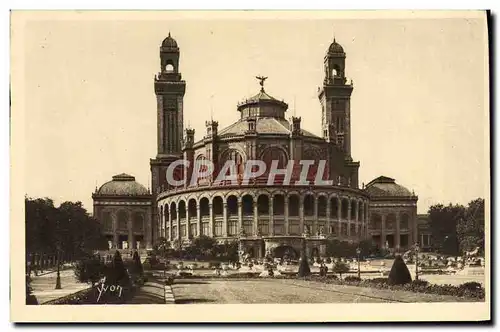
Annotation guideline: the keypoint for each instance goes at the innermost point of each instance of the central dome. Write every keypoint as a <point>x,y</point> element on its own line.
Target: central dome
<point>123,185</point>
<point>262,105</point>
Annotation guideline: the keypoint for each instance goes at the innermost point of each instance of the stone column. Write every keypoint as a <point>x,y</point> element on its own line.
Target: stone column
<point>328,209</point>
<point>315,220</point>
<point>349,217</point>
<point>412,238</point>
<point>362,221</point>
<point>397,240</point>
<point>115,230</point>
<point>224,218</point>
<point>188,223</point>
<point>179,236</point>
<point>287,226</point>
<point>240,215</point>
<point>382,233</point>
<point>301,214</point>
<point>170,233</point>
<point>271,215</point>
<point>339,216</point>
<point>255,217</point>
<point>130,232</point>
<point>198,218</point>
<point>356,218</point>
<point>211,231</point>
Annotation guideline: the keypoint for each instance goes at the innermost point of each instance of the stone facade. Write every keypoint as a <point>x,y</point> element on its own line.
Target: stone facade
<point>276,216</point>
<point>124,209</point>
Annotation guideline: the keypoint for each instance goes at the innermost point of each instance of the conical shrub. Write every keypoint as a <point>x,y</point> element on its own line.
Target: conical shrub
<point>138,269</point>
<point>304,269</point>
<point>399,274</point>
<point>118,272</point>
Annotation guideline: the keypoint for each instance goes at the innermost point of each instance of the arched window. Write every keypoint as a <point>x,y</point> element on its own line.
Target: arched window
<point>321,206</point>
<point>232,206</point>
<point>345,208</point>
<point>274,153</point>
<point>169,68</point>
<point>138,222</point>
<point>107,221</point>
<point>182,209</point>
<point>236,157</point>
<point>293,206</point>
<point>309,205</point>
<point>376,221</point>
<point>405,221</point>
<point>390,222</point>
<point>173,211</point>
<point>263,205</point>
<point>192,209</point>
<point>205,207</point>
<point>279,205</point>
<point>122,220</point>
<point>334,207</point>
<point>218,205</point>
<point>247,205</point>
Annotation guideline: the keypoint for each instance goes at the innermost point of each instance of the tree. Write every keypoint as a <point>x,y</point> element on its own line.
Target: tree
<point>67,228</point>
<point>89,270</point>
<point>399,274</point>
<point>204,244</point>
<point>162,246</point>
<point>470,228</point>
<point>443,222</point>
<point>340,268</point>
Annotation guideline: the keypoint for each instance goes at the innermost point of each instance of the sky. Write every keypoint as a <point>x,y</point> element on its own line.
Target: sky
<point>419,109</point>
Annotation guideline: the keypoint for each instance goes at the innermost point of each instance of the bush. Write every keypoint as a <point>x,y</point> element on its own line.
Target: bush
<point>304,269</point>
<point>420,282</point>
<point>117,274</point>
<point>30,298</point>
<point>136,268</point>
<point>89,270</point>
<point>340,268</point>
<point>399,274</point>
<point>352,279</point>
<point>328,260</point>
<point>214,264</point>
<point>471,286</point>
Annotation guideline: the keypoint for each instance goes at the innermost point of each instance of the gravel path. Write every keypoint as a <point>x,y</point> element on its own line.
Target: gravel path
<point>288,291</point>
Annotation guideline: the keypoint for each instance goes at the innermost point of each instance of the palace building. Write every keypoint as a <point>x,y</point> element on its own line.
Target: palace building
<point>274,218</point>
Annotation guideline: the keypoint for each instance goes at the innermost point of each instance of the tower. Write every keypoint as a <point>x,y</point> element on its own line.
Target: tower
<point>335,98</point>
<point>169,89</point>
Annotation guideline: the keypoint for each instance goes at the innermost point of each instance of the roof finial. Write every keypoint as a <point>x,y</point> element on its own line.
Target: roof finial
<point>294,104</point>
<point>212,107</point>
<point>262,79</point>
<point>169,34</point>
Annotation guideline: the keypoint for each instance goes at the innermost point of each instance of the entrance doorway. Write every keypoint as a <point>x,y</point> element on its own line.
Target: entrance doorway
<point>285,251</point>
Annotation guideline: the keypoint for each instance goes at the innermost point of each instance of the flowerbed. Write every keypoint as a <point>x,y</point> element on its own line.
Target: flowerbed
<point>90,296</point>
<point>472,290</point>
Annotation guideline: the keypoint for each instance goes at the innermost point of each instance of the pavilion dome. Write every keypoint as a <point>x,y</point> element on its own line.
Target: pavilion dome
<point>385,186</point>
<point>123,185</point>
